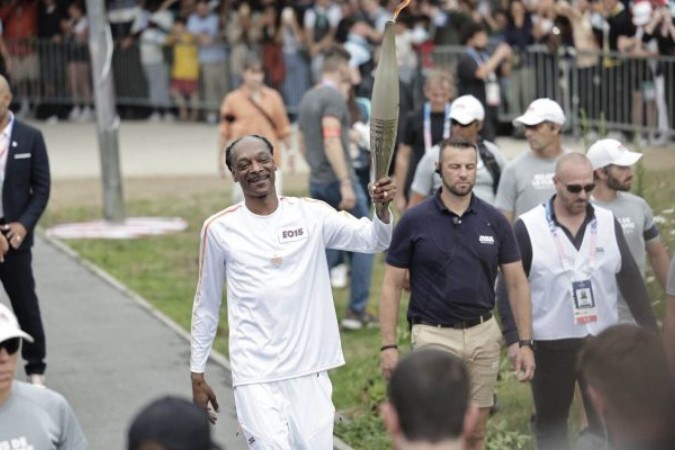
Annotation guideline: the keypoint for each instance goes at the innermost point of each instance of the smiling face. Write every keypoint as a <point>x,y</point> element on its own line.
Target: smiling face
<point>253,167</point>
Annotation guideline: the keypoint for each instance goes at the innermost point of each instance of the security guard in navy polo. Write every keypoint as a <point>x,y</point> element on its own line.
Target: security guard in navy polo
<point>453,244</point>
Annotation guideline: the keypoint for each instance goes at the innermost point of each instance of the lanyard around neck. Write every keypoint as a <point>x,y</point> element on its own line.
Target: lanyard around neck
<point>554,229</point>
<point>478,57</point>
<point>427,125</point>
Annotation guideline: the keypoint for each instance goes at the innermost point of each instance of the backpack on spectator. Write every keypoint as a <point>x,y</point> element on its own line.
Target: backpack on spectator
<point>490,164</point>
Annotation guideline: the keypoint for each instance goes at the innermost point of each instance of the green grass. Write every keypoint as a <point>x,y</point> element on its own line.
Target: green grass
<point>163,270</point>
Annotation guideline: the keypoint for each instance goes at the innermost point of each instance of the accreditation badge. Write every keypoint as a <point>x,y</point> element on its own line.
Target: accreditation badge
<point>585,310</point>
<point>492,93</point>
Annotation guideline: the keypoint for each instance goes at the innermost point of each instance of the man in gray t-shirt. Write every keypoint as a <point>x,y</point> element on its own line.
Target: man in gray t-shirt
<point>466,121</point>
<point>31,417</point>
<point>528,180</point>
<point>613,172</point>
<point>324,124</point>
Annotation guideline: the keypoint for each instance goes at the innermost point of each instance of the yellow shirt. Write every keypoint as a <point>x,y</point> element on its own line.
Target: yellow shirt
<point>185,59</point>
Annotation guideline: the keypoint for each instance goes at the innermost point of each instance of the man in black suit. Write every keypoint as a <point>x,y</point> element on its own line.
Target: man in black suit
<point>24,180</point>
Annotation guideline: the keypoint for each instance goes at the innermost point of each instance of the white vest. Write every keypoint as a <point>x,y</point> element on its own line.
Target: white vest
<point>551,284</point>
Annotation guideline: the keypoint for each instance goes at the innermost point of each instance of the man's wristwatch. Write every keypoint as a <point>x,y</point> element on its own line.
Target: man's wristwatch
<point>526,343</point>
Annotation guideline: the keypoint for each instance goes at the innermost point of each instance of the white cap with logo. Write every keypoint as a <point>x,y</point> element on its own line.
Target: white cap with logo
<point>541,110</point>
<point>9,326</point>
<point>467,109</point>
<point>610,151</point>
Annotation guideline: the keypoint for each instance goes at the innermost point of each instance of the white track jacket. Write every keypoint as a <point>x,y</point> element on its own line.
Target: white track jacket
<point>281,316</point>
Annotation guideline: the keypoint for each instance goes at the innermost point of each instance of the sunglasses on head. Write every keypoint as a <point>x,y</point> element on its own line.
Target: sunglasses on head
<point>576,188</point>
<point>11,345</point>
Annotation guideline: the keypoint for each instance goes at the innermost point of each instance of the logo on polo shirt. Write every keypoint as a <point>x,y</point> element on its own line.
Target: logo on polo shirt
<point>486,239</point>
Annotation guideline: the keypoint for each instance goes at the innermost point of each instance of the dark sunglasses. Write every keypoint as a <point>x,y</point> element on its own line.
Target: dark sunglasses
<point>454,123</point>
<point>11,345</point>
<point>576,188</point>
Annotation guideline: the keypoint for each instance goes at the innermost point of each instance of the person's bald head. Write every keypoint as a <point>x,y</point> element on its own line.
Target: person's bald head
<point>575,163</point>
<point>573,182</point>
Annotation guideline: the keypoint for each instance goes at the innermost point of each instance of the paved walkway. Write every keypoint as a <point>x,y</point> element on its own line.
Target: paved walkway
<point>109,354</point>
<point>159,149</point>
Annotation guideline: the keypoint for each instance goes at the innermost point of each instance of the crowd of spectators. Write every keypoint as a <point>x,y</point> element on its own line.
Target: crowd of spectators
<point>193,50</point>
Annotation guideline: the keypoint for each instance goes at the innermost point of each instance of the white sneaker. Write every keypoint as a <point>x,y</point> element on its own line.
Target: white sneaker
<point>52,120</point>
<point>155,117</point>
<point>36,379</point>
<point>659,141</point>
<point>169,117</point>
<point>86,115</point>
<point>338,276</point>
<point>75,114</point>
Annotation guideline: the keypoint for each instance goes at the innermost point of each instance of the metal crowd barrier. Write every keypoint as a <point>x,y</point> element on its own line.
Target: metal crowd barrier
<point>598,91</point>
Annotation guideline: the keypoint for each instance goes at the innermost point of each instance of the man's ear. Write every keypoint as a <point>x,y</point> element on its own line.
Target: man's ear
<point>390,419</point>
<point>470,420</point>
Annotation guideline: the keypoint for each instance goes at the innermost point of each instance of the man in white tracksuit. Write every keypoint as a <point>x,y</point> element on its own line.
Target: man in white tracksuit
<point>283,327</point>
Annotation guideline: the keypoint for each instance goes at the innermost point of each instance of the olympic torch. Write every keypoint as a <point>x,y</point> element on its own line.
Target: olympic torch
<point>384,112</point>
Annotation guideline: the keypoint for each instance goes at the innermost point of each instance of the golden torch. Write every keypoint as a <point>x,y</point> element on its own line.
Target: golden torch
<point>384,101</point>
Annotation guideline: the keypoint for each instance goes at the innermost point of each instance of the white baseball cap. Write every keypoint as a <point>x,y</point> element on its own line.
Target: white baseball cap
<point>467,109</point>
<point>541,110</point>
<point>610,151</point>
<point>642,13</point>
<point>9,326</point>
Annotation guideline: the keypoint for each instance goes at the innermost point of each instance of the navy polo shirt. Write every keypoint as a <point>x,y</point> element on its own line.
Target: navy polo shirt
<point>452,260</point>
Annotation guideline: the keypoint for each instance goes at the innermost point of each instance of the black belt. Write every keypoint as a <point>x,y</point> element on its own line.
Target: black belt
<point>459,325</point>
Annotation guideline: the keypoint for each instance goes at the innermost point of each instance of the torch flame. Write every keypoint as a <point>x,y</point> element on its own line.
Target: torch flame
<point>400,8</point>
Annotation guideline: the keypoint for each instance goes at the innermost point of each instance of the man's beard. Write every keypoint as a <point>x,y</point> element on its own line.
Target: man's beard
<point>457,192</point>
<point>615,184</point>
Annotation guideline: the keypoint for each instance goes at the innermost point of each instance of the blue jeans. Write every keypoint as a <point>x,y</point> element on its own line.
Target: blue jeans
<point>361,264</point>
